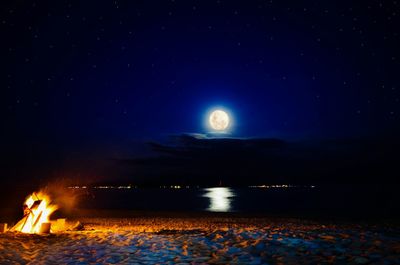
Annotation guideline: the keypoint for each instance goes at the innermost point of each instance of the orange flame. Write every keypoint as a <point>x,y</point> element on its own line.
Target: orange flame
<point>37,210</point>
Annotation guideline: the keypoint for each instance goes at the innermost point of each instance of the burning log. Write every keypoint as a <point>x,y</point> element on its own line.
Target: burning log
<point>3,227</point>
<point>61,222</point>
<point>37,210</point>
<point>45,228</point>
<point>77,226</point>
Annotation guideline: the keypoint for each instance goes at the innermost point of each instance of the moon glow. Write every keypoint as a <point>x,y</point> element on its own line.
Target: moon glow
<point>219,120</point>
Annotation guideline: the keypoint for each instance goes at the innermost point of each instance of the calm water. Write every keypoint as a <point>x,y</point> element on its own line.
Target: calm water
<point>315,201</point>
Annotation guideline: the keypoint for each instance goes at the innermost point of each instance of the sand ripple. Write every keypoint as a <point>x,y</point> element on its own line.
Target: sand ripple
<point>205,241</point>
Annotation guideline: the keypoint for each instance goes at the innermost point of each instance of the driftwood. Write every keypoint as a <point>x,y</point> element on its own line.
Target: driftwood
<point>3,227</point>
<point>28,212</point>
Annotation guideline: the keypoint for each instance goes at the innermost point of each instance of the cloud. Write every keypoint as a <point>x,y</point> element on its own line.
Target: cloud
<point>204,159</point>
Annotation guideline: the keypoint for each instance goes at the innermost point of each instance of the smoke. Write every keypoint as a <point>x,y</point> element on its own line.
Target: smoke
<point>66,199</point>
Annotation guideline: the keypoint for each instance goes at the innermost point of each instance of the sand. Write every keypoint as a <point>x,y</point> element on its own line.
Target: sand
<point>206,240</point>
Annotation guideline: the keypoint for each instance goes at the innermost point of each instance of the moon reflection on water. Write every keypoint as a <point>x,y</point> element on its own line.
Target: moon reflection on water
<point>220,199</point>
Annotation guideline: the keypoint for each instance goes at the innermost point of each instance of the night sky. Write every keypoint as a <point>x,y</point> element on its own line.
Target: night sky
<point>88,79</point>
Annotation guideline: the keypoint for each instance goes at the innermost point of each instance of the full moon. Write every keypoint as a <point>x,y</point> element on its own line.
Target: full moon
<point>219,120</point>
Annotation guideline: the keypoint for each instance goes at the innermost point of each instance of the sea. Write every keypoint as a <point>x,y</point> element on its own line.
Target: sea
<point>279,200</point>
<point>360,202</point>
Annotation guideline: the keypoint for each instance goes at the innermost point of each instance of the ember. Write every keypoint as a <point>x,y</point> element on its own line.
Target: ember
<point>37,210</point>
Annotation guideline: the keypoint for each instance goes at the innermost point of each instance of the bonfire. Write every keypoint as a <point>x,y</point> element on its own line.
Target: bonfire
<point>37,211</point>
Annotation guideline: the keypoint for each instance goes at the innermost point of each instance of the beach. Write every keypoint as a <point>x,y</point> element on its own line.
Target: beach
<point>206,240</point>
